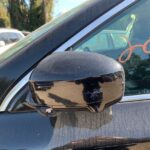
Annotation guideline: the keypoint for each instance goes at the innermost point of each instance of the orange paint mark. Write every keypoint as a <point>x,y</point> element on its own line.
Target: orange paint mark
<point>131,48</point>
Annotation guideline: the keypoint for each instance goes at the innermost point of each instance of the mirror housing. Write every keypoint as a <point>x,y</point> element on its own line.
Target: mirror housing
<point>77,80</point>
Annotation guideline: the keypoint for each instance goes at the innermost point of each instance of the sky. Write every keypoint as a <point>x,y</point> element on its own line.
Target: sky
<point>62,6</point>
<point>27,1</point>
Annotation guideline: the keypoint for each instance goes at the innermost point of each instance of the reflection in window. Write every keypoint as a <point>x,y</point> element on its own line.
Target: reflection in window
<point>17,103</point>
<point>125,36</point>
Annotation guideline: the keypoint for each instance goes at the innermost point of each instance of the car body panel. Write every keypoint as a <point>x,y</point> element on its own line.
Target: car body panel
<point>125,126</point>
<point>24,131</point>
<point>127,122</point>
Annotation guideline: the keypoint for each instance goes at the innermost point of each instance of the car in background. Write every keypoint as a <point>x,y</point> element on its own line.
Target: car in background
<point>8,37</point>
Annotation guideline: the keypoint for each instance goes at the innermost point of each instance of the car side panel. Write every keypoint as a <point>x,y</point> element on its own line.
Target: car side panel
<point>125,125</point>
<point>24,131</point>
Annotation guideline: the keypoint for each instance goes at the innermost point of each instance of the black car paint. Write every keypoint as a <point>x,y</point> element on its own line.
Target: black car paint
<point>29,130</point>
<point>128,124</point>
<point>85,80</point>
<point>13,68</point>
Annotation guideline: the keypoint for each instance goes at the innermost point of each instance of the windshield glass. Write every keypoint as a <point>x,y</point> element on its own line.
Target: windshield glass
<point>37,34</point>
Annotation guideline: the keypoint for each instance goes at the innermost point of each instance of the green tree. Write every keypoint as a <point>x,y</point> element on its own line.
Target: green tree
<point>18,10</point>
<point>25,14</point>
<point>40,13</point>
<point>47,9</point>
<point>35,14</point>
<point>4,15</point>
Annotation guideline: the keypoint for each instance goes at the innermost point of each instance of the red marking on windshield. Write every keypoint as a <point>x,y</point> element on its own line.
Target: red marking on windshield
<point>130,50</point>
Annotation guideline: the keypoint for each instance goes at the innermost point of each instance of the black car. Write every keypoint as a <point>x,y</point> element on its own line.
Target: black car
<point>81,81</point>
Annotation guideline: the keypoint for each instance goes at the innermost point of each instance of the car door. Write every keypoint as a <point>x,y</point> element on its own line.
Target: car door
<point>130,36</point>
<point>124,126</point>
<point>20,131</point>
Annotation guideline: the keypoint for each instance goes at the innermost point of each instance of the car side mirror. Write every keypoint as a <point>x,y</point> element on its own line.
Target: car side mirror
<point>77,81</point>
<point>2,43</point>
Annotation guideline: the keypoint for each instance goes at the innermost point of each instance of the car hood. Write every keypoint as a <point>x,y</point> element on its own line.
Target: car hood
<point>5,48</point>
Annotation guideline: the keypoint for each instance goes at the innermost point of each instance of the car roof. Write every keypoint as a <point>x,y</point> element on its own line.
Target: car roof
<point>9,30</point>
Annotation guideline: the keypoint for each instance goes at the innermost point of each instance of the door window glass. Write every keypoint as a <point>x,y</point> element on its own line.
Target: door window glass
<point>100,40</point>
<point>17,104</point>
<point>126,38</point>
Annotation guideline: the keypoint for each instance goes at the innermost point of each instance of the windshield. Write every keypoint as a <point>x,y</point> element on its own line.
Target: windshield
<point>37,34</point>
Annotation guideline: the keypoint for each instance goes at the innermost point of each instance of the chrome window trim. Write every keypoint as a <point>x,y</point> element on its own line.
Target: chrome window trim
<point>14,91</point>
<point>68,44</point>
<point>136,98</point>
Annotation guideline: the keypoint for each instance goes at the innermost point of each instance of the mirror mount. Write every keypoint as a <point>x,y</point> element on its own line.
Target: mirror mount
<point>44,110</point>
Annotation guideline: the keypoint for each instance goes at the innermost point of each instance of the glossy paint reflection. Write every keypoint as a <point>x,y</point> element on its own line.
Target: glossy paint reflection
<point>92,93</point>
<point>127,123</point>
<point>122,124</point>
<point>107,143</point>
<point>76,80</point>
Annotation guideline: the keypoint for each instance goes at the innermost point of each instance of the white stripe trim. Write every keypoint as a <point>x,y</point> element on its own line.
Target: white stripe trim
<point>136,98</point>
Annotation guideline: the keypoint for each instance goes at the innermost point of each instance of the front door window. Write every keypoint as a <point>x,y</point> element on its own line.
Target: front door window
<point>126,38</point>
